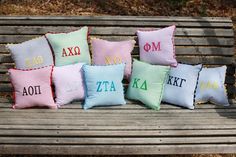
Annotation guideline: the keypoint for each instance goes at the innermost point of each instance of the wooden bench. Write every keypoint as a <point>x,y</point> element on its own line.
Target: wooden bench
<point>123,130</point>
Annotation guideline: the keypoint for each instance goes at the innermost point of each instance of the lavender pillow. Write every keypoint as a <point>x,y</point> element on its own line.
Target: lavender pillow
<point>211,86</point>
<point>34,53</point>
<point>157,47</point>
<point>68,83</point>
<point>113,52</point>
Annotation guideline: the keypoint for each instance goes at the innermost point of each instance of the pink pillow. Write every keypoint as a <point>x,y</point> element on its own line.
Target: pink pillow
<point>157,47</point>
<point>113,52</point>
<point>68,83</point>
<point>32,87</point>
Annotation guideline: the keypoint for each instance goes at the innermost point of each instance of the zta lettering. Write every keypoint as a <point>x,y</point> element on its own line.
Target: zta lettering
<point>138,84</point>
<point>175,81</point>
<point>31,90</point>
<point>208,85</point>
<point>105,86</point>
<point>34,61</point>
<point>70,51</point>
<point>153,47</point>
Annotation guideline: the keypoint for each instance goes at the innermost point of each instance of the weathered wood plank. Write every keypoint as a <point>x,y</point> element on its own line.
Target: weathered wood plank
<point>117,116</point>
<point>121,140</point>
<point>117,18</point>
<point>115,133</point>
<point>127,31</point>
<point>4,78</point>
<point>179,41</point>
<point>180,50</point>
<point>134,23</point>
<point>126,127</point>
<point>216,60</point>
<point>118,149</point>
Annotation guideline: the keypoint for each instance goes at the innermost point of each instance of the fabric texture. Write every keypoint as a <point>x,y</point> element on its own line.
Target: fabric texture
<point>157,46</point>
<point>32,88</point>
<point>69,85</point>
<point>34,53</point>
<point>211,86</point>
<point>104,85</point>
<point>70,48</point>
<point>181,84</point>
<point>113,52</point>
<point>147,83</point>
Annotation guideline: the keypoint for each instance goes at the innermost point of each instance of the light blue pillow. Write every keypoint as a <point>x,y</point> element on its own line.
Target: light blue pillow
<point>211,86</point>
<point>181,84</point>
<point>104,85</point>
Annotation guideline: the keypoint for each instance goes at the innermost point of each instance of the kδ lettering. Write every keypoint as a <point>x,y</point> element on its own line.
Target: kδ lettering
<point>141,85</point>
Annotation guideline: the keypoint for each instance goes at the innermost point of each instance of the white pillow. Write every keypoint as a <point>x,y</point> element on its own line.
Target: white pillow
<point>181,84</point>
<point>211,86</point>
<point>68,81</point>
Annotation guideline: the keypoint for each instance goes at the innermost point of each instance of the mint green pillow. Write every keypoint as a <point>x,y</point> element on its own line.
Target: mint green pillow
<point>147,83</point>
<point>70,48</point>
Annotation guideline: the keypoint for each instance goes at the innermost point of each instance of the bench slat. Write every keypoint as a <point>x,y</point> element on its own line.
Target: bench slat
<point>119,140</point>
<point>126,31</point>
<point>118,149</point>
<point>117,18</point>
<point>6,87</point>
<point>126,127</point>
<point>217,60</point>
<point>64,22</point>
<point>179,41</point>
<point>115,133</point>
<point>180,50</point>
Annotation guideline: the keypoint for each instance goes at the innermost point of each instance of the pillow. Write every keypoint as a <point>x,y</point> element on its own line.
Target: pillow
<point>32,88</point>
<point>115,52</point>
<point>104,85</point>
<point>70,48</point>
<point>34,53</point>
<point>157,47</point>
<point>68,83</point>
<point>181,84</point>
<point>147,83</point>
<point>211,86</point>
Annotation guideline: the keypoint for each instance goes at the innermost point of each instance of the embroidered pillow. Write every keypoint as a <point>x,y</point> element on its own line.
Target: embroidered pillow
<point>157,47</point>
<point>147,83</point>
<point>32,88</point>
<point>181,84</point>
<point>30,54</point>
<point>104,85</point>
<point>68,83</point>
<point>70,48</point>
<point>115,52</point>
<point>211,86</point>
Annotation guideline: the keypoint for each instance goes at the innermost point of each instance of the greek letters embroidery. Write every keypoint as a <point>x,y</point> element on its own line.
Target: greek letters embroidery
<point>175,81</point>
<point>31,90</point>
<point>70,51</point>
<point>208,85</point>
<point>114,60</point>
<point>105,86</point>
<point>152,47</point>
<point>141,85</point>
<point>30,62</point>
